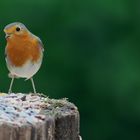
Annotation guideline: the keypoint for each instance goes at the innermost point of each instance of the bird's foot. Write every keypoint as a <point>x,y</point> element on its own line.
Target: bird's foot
<point>9,91</point>
<point>39,94</point>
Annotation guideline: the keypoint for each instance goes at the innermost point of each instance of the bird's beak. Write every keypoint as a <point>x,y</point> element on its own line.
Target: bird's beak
<point>7,35</point>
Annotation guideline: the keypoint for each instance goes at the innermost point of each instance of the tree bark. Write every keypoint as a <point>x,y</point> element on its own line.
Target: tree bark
<point>56,119</point>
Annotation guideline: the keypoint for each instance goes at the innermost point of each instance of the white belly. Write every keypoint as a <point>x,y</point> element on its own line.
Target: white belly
<point>27,70</point>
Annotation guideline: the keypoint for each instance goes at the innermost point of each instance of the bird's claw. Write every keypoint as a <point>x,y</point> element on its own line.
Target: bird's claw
<point>10,91</point>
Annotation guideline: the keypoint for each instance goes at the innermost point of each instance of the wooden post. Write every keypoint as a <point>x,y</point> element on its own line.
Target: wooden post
<point>33,117</point>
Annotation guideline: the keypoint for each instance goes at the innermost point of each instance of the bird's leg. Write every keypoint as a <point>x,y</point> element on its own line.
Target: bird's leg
<point>13,76</point>
<point>33,85</point>
<point>34,89</point>
<point>11,84</point>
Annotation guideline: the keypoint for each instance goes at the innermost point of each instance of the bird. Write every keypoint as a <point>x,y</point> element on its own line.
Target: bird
<point>23,53</point>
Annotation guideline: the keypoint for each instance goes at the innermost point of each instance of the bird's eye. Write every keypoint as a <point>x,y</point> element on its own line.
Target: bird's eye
<point>17,29</point>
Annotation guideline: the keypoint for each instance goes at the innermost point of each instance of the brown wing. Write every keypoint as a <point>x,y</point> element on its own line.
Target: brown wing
<point>40,44</point>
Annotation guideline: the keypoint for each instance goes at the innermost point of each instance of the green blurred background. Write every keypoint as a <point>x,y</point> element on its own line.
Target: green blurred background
<point>92,57</point>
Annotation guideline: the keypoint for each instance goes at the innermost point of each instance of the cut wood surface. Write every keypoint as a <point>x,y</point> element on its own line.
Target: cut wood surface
<point>35,117</point>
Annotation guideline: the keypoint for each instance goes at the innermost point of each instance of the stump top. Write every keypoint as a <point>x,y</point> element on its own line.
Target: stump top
<point>21,109</point>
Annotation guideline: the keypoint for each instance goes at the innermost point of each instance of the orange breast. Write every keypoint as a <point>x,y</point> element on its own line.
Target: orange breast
<point>20,51</point>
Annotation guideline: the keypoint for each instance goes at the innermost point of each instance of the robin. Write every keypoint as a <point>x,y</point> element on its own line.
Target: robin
<point>24,53</point>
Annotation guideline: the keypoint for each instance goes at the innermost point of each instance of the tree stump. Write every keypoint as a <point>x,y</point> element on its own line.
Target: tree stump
<point>35,117</point>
